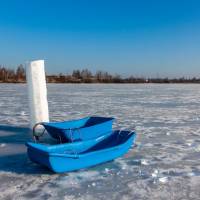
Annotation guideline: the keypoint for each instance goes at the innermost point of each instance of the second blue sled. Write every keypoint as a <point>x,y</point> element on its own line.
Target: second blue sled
<point>74,156</point>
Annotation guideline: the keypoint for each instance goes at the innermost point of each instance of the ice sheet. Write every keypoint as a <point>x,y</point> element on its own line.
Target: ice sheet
<point>165,163</point>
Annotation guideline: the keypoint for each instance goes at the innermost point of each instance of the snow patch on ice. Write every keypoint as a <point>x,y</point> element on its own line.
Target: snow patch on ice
<point>2,145</point>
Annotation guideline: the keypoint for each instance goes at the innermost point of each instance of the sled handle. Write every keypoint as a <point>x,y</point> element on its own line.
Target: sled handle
<point>71,130</point>
<point>132,130</point>
<point>72,140</point>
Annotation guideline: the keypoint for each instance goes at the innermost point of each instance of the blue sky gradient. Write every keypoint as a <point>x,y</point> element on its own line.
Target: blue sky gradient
<point>143,37</point>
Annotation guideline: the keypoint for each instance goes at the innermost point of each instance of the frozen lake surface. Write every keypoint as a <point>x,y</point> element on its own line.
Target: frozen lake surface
<point>164,164</point>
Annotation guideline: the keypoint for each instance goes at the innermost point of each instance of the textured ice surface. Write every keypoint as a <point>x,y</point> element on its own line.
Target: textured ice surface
<point>165,163</point>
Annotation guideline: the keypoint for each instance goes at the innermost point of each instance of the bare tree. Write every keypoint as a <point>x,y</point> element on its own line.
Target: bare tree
<point>20,73</point>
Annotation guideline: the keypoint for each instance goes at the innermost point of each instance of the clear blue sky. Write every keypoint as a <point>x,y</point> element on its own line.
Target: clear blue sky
<point>143,37</point>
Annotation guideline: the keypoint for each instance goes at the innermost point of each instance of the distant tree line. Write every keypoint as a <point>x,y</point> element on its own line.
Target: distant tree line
<point>12,76</point>
<point>86,76</point>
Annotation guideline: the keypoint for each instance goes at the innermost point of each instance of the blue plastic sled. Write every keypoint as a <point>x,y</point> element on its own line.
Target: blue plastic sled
<point>81,129</point>
<point>78,155</point>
